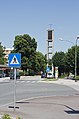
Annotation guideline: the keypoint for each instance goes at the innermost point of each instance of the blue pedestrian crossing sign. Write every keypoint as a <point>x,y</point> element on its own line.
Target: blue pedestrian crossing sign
<point>47,69</point>
<point>15,60</point>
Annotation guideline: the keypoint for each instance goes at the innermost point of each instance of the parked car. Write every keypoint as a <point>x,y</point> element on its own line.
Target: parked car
<point>49,75</point>
<point>71,76</point>
<point>43,75</point>
<point>12,75</point>
<point>2,75</point>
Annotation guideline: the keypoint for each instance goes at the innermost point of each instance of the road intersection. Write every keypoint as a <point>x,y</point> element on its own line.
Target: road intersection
<point>45,99</point>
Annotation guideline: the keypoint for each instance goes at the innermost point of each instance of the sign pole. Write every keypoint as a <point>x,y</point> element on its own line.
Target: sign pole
<point>14,88</point>
<point>15,62</point>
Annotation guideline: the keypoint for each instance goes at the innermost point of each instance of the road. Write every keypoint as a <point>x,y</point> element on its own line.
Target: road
<point>31,87</point>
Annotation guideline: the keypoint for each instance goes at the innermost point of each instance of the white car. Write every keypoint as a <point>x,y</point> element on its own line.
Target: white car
<point>49,75</point>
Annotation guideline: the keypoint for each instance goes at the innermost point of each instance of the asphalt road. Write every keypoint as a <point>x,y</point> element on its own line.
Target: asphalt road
<point>30,88</point>
<point>39,100</point>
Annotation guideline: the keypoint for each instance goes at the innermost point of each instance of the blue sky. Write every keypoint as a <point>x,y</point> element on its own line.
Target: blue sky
<point>33,17</point>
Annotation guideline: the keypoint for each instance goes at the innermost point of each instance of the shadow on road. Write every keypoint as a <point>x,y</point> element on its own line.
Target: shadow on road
<point>71,111</point>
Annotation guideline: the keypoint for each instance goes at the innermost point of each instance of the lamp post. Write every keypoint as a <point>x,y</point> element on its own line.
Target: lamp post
<point>76,57</point>
<point>66,41</point>
<point>75,53</point>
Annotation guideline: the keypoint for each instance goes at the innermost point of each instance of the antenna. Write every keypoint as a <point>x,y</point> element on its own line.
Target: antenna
<point>50,25</point>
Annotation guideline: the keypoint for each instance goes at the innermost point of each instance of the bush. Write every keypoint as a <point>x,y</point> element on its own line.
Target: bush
<point>77,77</point>
<point>6,116</point>
<point>21,73</point>
<point>63,76</point>
<point>18,118</point>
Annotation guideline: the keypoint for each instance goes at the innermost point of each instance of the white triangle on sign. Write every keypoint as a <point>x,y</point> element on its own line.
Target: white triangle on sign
<point>14,60</point>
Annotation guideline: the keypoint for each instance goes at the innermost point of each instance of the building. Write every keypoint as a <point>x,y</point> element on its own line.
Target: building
<point>5,69</point>
<point>7,51</point>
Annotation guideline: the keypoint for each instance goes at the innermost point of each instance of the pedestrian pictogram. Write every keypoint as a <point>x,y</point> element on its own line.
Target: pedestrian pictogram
<point>15,60</point>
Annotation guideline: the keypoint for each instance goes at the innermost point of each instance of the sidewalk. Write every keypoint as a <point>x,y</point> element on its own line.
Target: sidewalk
<point>4,79</point>
<point>68,82</point>
<point>7,79</point>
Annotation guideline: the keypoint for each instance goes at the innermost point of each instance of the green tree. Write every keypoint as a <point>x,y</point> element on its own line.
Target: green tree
<point>40,62</point>
<point>58,61</point>
<point>70,60</point>
<point>2,60</point>
<point>66,61</point>
<point>26,45</point>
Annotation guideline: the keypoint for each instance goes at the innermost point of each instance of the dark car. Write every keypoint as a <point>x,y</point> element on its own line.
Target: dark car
<point>12,75</point>
<point>43,75</point>
<point>2,75</point>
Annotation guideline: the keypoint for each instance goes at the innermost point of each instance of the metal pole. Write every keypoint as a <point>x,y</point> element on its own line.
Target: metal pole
<point>75,54</point>
<point>14,88</point>
<point>75,60</point>
<point>76,57</point>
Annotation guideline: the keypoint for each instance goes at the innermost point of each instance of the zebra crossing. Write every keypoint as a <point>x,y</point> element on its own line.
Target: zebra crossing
<point>28,81</point>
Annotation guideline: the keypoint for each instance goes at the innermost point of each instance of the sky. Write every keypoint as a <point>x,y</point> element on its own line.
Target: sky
<point>32,17</point>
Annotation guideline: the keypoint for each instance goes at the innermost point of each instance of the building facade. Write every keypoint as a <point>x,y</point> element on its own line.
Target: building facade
<point>7,51</point>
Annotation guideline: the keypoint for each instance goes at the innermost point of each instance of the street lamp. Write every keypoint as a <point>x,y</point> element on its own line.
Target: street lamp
<point>76,57</point>
<point>75,52</point>
<point>66,41</point>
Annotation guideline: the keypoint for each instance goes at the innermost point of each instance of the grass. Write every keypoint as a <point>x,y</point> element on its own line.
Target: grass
<point>49,79</point>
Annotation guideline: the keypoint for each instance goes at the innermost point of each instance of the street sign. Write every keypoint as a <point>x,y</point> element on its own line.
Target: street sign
<point>15,60</point>
<point>47,69</point>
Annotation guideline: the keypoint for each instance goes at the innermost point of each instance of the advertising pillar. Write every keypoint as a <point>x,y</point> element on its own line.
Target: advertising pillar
<point>56,72</point>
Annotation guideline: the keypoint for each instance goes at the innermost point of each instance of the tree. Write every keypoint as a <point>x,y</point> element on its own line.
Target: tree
<point>66,61</point>
<point>40,62</point>
<point>58,61</point>
<point>70,60</point>
<point>26,45</point>
<point>2,59</point>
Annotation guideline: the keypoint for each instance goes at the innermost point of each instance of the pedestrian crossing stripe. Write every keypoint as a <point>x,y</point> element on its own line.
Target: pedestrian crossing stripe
<point>14,60</point>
